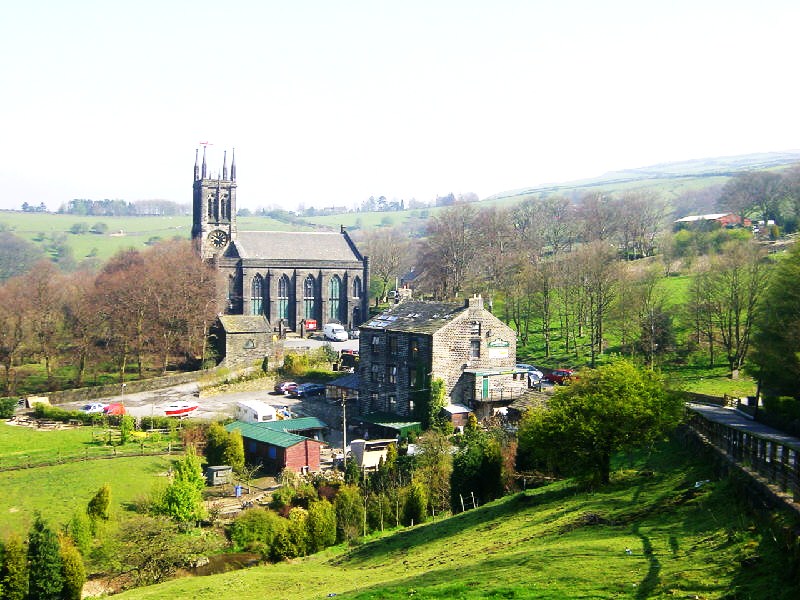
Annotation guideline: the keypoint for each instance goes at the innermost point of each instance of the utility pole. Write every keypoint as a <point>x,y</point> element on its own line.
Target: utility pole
<point>344,432</point>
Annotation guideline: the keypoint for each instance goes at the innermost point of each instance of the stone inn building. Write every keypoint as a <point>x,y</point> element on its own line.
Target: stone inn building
<point>403,349</point>
<point>288,277</point>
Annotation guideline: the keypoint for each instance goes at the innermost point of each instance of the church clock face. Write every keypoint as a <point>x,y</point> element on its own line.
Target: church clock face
<point>218,238</point>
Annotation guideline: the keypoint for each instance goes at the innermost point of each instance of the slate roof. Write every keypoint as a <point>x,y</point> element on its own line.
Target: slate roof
<point>349,381</point>
<point>416,316</point>
<point>244,323</point>
<point>302,246</point>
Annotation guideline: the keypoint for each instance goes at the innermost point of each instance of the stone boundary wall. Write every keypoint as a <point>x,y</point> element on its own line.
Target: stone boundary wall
<point>203,378</point>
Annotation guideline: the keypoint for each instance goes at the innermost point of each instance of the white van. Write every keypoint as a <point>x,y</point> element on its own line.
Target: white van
<point>335,332</point>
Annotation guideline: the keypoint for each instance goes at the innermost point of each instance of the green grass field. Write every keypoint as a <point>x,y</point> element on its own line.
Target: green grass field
<point>60,490</point>
<point>556,541</point>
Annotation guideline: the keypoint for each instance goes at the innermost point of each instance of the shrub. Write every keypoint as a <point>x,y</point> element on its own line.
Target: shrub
<point>295,365</point>
<point>349,506</point>
<point>416,504</point>
<point>321,523</point>
<point>255,530</point>
<point>72,570</point>
<point>98,507</point>
<point>7,407</point>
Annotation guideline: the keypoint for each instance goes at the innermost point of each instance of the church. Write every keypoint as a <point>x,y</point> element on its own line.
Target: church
<point>294,279</point>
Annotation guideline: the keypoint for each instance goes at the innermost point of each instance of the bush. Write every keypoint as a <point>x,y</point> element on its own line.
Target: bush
<point>7,407</point>
<point>321,524</point>
<point>414,511</point>
<point>349,506</point>
<point>295,365</point>
<point>255,530</point>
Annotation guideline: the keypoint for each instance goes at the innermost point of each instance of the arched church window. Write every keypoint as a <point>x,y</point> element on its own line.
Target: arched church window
<point>356,287</point>
<point>283,297</point>
<point>309,305</point>
<point>257,295</point>
<point>334,299</point>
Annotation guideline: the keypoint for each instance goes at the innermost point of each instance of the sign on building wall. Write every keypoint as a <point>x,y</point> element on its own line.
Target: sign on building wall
<point>498,348</point>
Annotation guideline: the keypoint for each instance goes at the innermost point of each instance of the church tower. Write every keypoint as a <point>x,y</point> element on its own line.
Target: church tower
<point>214,207</point>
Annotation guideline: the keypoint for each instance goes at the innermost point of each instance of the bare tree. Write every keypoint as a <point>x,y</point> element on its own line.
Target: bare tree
<point>598,274</point>
<point>387,249</point>
<point>449,251</point>
<point>641,218</point>
<point>598,217</point>
<point>45,313</point>
<point>736,282</point>
<point>13,295</point>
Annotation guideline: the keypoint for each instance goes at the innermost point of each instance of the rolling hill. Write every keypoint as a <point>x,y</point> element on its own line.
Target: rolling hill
<point>665,527</point>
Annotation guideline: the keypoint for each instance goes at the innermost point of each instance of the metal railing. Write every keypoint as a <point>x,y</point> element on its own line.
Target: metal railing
<point>776,462</point>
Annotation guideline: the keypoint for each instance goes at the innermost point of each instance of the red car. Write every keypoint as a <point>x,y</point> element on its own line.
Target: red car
<point>560,376</point>
<point>115,408</point>
<point>285,387</point>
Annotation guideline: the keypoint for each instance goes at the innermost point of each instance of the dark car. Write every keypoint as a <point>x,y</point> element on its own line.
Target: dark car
<point>560,376</point>
<point>305,390</point>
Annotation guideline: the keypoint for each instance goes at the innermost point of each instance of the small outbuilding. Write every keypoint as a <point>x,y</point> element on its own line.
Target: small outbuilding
<point>457,414</point>
<point>219,475</point>
<point>287,443</point>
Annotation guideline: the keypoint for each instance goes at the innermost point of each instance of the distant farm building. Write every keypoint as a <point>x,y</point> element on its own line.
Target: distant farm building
<point>711,220</point>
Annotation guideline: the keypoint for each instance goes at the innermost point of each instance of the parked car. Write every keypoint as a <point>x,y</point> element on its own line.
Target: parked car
<point>560,376</point>
<point>334,332</point>
<point>115,408</point>
<point>93,409</point>
<point>285,387</point>
<point>536,372</point>
<point>305,390</point>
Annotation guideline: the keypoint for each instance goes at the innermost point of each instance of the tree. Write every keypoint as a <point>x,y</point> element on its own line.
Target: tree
<point>735,283</point>
<point>349,505</point>
<point>14,569</point>
<point>615,407</point>
<point>776,342</point>
<point>449,250</point>
<point>387,249</point>
<point>416,505</point>
<point>321,525</point>
<point>99,506</point>
<point>17,255</point>
<point>79,530</point>
<point>434,465</point>
<point>72,570</point>
<point>435,404</point>
<point>255,530</point>
<point>183,498</point>
<point>477,468</point>
<point>150,549</point>
<point>45,578</point>
<point>233,454</point>
<point>13,295</point>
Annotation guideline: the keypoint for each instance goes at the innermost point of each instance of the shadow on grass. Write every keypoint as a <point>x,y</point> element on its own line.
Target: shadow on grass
<point>481,517</point>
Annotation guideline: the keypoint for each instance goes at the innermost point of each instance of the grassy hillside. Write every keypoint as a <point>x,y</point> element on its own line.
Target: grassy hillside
<point>686,540</point>
<point>60,490</point>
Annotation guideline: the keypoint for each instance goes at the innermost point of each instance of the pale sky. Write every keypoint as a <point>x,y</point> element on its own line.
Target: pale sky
<point>329,102</point>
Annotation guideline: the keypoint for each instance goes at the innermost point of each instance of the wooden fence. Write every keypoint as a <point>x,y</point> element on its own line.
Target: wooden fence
<point>776,462</point>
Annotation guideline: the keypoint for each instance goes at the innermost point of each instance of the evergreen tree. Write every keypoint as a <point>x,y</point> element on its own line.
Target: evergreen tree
<point>416,504</point>
<point>321,525</point>
<point>349,506</point>
<point>45,578</point>
<point>14,571</point>
<point>233,453</point>
<point>216,439</point>
<point>73,571</point>
<point>79,529</point>
<point>183,498</point>
<point>99,506</point>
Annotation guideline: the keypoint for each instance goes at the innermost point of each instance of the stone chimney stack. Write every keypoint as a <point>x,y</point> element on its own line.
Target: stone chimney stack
<point>475,302</point>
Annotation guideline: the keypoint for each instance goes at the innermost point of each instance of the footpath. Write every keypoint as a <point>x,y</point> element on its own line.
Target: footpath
<point>769,457</point>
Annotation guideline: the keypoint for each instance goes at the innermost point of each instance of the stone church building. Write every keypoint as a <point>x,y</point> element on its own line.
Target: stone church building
<point>288,277</point>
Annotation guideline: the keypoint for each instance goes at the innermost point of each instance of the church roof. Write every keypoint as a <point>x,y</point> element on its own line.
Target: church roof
<point>294,245</point>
